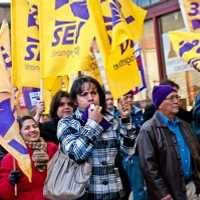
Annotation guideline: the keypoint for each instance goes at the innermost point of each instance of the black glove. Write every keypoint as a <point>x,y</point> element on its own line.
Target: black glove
<point>14,177</point>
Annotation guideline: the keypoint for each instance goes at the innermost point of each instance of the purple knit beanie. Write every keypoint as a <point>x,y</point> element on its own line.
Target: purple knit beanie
<point>159,94</point>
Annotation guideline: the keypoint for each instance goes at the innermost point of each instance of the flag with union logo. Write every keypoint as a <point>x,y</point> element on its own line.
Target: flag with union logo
<point>187,47</point>
<point>25,43</point>
<point>111,22</point>
<point>5,62</point>
<point>191,14</point>
<point>5,45</point>
<point>66,44</point>
<point>10,138</point>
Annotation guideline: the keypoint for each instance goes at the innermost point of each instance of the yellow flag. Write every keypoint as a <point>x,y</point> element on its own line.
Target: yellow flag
<point>5,84</point>
<point>5,45</point>
<point>25,44</point>
<point>90,67</point>
<point>51,87</point>
<point>191,13</point>
<point>10,138</point>
<point>187,46</point>
<point>68,39</point>
<point>5,60</point>
<point>119,62</point>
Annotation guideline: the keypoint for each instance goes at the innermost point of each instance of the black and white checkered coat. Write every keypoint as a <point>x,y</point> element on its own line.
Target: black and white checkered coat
<point>90,142</point>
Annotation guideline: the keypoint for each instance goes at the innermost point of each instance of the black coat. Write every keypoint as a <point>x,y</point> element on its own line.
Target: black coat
<point>160,159</point>
<point>49,131</point>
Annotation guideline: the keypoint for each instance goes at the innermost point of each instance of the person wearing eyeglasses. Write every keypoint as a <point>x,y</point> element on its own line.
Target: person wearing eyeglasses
<point>169,152</point>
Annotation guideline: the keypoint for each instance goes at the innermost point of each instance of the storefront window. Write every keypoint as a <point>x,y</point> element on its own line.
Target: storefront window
<point>176,69</point>
<point>146,3</point>
<point>4,12</point>
<point>149,59</point>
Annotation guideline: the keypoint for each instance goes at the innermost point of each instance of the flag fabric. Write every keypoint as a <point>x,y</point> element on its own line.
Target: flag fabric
<point>187,47</point>
<point>191,14</point>
<point>119,60</point>
<point>67,42</point>
<point>5,62</point>
<point>5,44</point>
<point>90,67</point>
<point>10,138</point>
<point>25,44</point>
<point>140,65</point>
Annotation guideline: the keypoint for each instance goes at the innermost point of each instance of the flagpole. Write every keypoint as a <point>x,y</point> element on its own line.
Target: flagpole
<point>15,186</point>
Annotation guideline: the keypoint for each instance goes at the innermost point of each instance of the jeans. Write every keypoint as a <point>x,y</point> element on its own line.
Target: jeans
<point>136,180</point>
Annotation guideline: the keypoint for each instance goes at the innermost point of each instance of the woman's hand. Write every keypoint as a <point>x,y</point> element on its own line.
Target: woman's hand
<point>14,177</point>
<point>40,108</point>
<point>94,113</point>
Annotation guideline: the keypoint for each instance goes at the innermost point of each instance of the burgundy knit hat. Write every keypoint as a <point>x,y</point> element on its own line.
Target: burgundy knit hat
<point>159,94</point>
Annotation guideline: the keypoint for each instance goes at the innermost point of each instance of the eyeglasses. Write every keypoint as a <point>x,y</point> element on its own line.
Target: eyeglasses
<point>173,97</point>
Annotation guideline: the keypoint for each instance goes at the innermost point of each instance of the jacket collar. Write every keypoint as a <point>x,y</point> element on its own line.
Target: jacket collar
<point>157,118</point>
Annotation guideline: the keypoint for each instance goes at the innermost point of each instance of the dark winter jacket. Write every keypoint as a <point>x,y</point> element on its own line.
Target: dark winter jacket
<point>160,159</point>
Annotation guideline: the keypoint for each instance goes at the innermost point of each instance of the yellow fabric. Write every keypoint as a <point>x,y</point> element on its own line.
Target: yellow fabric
<point>90,67</point>
<point>5,47</point>
<point>192,9</point>
<point>23,161</point>
<point>67,41</point>
<point>25,45</point>
<point>5,84</point>
<point>120,65</point>
<point>51,87</point>
<point>187,46</point>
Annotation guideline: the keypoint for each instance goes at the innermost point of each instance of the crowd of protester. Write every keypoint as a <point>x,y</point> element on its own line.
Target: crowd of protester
<point>153,154</point>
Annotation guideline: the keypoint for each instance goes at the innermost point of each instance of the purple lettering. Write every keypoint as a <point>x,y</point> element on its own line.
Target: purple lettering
<point>196,24</point>
<point>30,51</point>
<point>69,33</point>
<point>78,31</point>
<point>188,46</point>
<point>194,9</point>
<point>6,57</point>
<point>124,46</point>
<point>56,36</point>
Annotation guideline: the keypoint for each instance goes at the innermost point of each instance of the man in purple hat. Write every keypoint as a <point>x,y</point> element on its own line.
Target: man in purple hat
<point>169,152</point>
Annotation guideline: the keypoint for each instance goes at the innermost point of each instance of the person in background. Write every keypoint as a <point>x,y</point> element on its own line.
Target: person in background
<point>196,117</point>
<point>169,152</point>
<point>40,153</point>
<point>131,164</point>
<point>94,135</point>
<point>60,107</point>
<point>182,113</point>
<point>110,107</point>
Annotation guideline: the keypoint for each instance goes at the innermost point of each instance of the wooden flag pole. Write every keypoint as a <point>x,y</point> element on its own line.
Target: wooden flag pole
<point>14,168</point>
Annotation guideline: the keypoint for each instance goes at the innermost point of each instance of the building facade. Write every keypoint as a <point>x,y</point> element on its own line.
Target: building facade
<point>159,58</point>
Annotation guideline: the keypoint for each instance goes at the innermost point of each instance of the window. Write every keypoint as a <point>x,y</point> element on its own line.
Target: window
<point>176,69</point>
<point>146,3</point>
